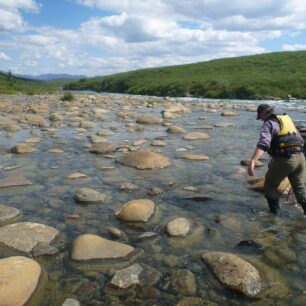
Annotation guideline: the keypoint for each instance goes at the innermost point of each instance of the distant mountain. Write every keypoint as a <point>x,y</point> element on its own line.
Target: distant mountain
<point>50,76</point>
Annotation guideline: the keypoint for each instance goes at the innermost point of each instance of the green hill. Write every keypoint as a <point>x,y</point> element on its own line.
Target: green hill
<point>10,84</point>
<point>261,76</point>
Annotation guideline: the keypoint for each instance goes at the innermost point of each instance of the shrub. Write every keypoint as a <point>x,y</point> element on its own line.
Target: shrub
<point>68,96</point>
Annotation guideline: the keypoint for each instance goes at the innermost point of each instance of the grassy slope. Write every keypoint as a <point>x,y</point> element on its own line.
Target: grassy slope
<point>11,84</point>
<point>274,74</point>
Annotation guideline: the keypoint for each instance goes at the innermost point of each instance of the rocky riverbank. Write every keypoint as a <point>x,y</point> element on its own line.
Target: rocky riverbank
<point>117,200</point>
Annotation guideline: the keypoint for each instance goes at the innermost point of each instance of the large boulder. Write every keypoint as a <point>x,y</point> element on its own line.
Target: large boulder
<point>136,210</point>
<point>144,160</point>
<point>19,278</point>
<point>88,246</point>
<point>25,236</point>
<point>235,273</point>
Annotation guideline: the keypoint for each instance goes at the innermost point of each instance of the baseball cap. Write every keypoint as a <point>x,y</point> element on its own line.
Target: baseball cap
<point>264,108</point>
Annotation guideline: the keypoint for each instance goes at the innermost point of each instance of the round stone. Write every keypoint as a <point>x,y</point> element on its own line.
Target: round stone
<point>179,227</point>
<point>144,160</point>
<point>89,196</point>
<point>136,210</point>
<point>19,278</point>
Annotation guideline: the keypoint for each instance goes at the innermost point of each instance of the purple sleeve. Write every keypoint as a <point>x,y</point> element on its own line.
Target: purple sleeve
<point>268,130</point>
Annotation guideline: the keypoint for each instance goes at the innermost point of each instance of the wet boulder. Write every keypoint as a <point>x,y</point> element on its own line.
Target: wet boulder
<point>144,160</point>
<point>136,210</point>
<point>87,247</point>
<point>25,236</point>
<point>19,277</point>
<point>235,273</point>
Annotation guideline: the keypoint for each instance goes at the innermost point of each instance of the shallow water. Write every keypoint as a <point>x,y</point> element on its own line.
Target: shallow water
<point>235,213</point>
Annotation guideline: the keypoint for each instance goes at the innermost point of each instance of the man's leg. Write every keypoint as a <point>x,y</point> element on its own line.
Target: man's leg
<point>277,172</point>
<point>297,180</point>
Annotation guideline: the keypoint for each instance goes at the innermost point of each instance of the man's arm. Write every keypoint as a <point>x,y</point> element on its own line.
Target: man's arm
<point>257,154</point>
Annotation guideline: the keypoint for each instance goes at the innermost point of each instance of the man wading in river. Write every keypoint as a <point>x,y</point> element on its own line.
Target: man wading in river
<point>280,138</point>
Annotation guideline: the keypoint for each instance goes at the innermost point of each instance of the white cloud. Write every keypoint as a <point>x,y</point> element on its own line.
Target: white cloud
<point>294,47</point>
<point>10,17</point>
<point>4,57</point>
<point>149,33</point>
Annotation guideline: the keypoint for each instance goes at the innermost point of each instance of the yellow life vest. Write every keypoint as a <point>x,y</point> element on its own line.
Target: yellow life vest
<point>287,141</point>
<point>287,126</point>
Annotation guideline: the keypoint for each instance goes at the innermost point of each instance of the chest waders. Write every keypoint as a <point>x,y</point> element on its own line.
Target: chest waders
<point>285,143</point>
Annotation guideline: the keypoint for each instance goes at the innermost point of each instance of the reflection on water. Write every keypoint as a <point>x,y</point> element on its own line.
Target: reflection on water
<point>235,213</point>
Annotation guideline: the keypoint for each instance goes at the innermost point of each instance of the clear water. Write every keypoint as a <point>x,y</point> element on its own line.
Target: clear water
<point>235,212</point>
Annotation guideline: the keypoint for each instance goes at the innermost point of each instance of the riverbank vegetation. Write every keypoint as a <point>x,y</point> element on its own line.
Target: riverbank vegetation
<point>270,75</point>
<point>10,84</point>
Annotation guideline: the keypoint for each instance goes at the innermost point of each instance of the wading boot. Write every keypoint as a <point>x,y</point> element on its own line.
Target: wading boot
<point>274,205</point>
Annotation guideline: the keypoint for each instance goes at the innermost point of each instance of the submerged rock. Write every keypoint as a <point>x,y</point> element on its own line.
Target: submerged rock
<point>102,148</point>
<point>179,227</point>
<point>144,160</point>
<point>235,273</point>
<point>25,236</point>
<point>246,162</point>
<point>230,114</point>
<point>71,302</point>
<point>76,175</point>
<point>127,277</point>
<point>19,278</point>
<point>88,246</point>
<point>195,157</point>
<point>136,210</point>
<point>176,129</point>
<point>14,180</point>
<point>89,196</point>
<point>22,148</point>
<point>148,119</point>
<point>8,214</point>
<point>183,281</point>
<point>196,136</point>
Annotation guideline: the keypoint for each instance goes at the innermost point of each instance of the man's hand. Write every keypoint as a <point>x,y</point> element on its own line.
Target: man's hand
<point>251,171</point>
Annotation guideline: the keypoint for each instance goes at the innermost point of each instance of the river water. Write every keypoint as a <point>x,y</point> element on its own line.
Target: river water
<point>234,213</point>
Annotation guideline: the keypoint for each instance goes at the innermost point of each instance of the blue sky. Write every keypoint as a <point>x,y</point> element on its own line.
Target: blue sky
<point>100,37</point>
